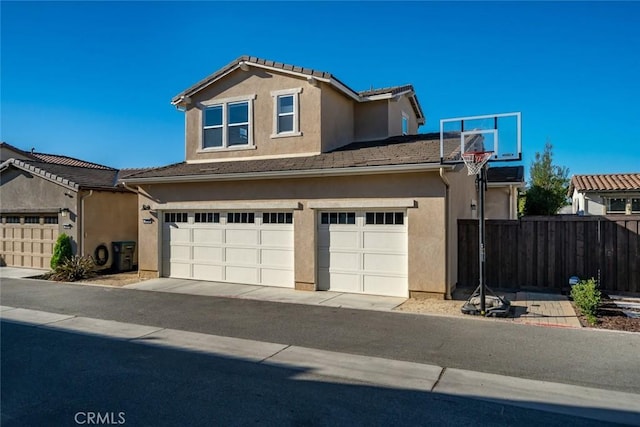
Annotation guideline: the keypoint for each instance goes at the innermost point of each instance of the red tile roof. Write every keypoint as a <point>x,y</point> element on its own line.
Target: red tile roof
<point>605,182</point>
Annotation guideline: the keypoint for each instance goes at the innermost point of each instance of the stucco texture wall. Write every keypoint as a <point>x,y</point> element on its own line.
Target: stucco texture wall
<point>109,217</point>
<point>371,120</point>
<point>27,192</point>
<point>426,221</point>
<point>261,83</point>
<point>396,108</point>
<point>337,118</point>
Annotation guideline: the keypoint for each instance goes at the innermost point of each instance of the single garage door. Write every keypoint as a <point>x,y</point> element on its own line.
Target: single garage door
<point>238,247</point>
<point>27,240</point>
<point>363,252</point>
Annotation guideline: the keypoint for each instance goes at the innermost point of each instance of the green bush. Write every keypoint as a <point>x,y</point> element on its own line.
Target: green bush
<point>587,297</point>
<point>61,251</point>
<point>75,268</point>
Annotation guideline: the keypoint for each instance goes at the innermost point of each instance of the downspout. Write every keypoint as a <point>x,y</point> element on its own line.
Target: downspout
<point>82,222</point>
<point>446,227</point>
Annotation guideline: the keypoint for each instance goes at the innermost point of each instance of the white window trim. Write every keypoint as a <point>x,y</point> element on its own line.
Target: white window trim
<point>405,116</point>
<point>224,103</point>
<point>296,112</point>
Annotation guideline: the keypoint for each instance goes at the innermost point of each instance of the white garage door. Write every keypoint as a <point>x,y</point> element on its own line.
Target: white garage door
<point>237,247</point>
<point>363,252</point>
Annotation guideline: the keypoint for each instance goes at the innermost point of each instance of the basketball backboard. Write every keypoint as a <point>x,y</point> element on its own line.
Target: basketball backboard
<point>498,133</point>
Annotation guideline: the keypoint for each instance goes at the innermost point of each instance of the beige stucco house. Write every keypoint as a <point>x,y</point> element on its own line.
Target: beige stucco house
<point>293,179</point>
<point>605,194</point>
<point>43,195</point>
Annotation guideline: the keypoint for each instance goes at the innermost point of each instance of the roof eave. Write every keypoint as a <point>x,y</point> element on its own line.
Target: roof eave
<point>305,173</point>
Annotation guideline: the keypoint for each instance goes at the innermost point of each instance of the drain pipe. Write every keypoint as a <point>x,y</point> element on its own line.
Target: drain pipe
<point>446,227</point>
<point>82,221</point>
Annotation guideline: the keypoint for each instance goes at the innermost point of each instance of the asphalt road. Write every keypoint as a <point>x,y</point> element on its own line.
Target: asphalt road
<point>592,358</point>
<point>59,378</point>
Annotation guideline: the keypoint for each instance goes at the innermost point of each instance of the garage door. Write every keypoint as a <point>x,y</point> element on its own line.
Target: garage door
<point>363,252</point>
<point>27,240</point>
<point>237,247</point>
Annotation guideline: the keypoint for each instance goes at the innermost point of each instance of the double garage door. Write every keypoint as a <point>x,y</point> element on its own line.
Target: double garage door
<point>358,251</point>
<point>238,247</point>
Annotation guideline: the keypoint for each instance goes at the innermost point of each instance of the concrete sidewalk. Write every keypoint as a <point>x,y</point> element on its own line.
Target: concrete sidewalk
<point>326,366</point>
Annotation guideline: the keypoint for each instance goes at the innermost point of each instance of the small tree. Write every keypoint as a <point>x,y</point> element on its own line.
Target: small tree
<point>62,251</point>
<point>547,191</point>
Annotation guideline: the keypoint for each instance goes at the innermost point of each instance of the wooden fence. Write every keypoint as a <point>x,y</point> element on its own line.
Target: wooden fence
<point>543,252</point>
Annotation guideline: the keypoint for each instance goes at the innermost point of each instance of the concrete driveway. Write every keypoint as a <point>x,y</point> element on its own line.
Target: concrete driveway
<point>18,272</point>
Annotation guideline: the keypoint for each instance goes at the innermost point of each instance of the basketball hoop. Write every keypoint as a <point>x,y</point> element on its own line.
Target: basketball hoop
<point>475,160</point>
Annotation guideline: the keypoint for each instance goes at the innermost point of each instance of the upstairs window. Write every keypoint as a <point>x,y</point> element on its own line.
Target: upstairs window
<point>227,123</point>
<point>635,205</point>
<point>405,124</point>
<point>286,117</point>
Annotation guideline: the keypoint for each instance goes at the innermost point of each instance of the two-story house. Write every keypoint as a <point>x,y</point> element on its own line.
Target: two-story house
<point>293,179</point>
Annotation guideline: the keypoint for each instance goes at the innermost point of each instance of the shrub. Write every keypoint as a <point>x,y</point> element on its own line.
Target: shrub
<point>587,297</point>
<point>75,268</point>
<point>61,251</point>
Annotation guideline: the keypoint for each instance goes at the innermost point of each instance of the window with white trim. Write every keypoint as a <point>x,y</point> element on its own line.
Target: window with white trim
<point>277,218</point>
<point>175,217</point>
<point>338,218</point>
<point>616,205</point>
<point>405,123</point>
<point>240,218</point>
<point>384,218</point>
<point>227,123</point>
<point>286,108</point>
<point>213,217</point>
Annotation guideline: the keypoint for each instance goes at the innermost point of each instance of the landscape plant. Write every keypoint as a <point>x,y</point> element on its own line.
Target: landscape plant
<point>587,297</point>
<point>62,251</point>
<point>548,184</point>
<point>74,268</point>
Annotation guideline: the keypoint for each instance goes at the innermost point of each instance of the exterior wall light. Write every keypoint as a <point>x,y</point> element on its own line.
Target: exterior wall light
<point>146,208</point>
<point>64,212</point>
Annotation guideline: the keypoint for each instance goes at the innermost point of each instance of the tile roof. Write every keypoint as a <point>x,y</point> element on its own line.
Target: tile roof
<point>605,182</point>
<point>393,90</point>
<point>72,176</point>
<point>400,150</point>
<point>54,158</point>
<point>513,174</point>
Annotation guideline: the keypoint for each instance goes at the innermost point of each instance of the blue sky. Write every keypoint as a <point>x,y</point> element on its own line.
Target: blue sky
<point>94,80</point>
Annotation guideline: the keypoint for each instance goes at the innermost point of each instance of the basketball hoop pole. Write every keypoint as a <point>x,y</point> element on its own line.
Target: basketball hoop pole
<point>482,177</point>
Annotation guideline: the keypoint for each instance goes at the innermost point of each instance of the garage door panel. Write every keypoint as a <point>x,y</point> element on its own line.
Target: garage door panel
<point>179,252</point>
<point>208,235</point>
<point>344,282</point>
<point>385,263</point>
<point>207,272</point>
<point>277,238</point>
<point>276,257</point>
<point>27,245</point>
<point>239,274</point>
<point>241,237</point>
<point>339,239</point>
<point>276,277</point>
<point>241,256</point>
<point>344,260</point>
<point>178,235</point>
<point>384,285</point>
<point>390,240</point>
<point>207,253</point>
<point>180,270</point>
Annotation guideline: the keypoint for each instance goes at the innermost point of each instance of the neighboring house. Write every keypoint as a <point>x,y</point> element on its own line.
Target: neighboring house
<point>501,198</point>
<point>605,194</point>
<point>43,195</point>
<point>293,179</point>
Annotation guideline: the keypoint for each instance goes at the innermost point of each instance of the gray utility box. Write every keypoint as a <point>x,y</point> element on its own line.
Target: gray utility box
<point>123,255</point>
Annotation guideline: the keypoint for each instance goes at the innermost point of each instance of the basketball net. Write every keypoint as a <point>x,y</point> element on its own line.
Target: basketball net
<point>475,160</point>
